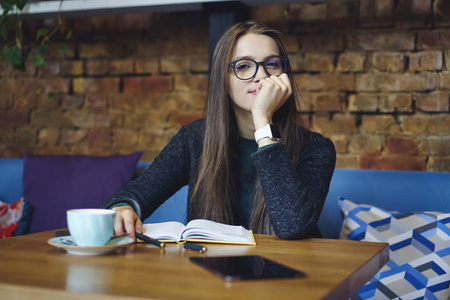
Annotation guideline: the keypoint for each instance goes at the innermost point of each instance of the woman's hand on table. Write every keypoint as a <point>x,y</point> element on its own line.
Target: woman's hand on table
<point>127,221</point>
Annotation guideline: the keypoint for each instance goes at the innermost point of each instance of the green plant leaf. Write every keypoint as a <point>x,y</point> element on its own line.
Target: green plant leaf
<point>14,56</point>
<point>41,32</point>
<point>63,49</point>
<point>5,29</point>
<point>51,96</point>
<point>38,61</point>
<point>43,48</point>
<point>21,4</point>
<point>69,35</point>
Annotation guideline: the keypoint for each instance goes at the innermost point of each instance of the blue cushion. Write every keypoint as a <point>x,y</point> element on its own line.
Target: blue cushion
<point>419,244</point>
<point>11,172</point>
<point>173,209</point>
<point>391,190</point>
<point>54,184</point>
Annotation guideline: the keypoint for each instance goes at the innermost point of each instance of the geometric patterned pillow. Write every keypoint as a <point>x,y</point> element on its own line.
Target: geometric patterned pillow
<point>419,256</point>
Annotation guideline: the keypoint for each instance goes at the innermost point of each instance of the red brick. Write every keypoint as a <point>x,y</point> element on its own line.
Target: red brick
<point>363,103</point>
<point>433,40</point>
<point>97,67</point>
<point>447,60</point>
<point>304,102</point>
<point>125,138</point>
<point>145,51</point>
<point>427,124</point>
<point>47,85</point>
<point>99,138</point>
<point>365,144</point>
<point>191,82</point>
<point>351,62</point>
<point>271,14</point>
<point>48,136</point>
<point>325,82</point>
<point>72,67</point>
<point>381,41</point>
<point>397,82</point>
<point>305,13</point>
<point>174,64</point>
<point>50,68</point>
<point>388,62</point>
<point>82,119</point>
<point>140,120</point>
<point>439,146</point>
<point>102,50</point>
<point>323,43</point>
<point>340,142</point>
<point>48,118</point>
<point>13,119</point>
<point>433,102</point>
<point>340,124</point>
<point>147,66</point>
<point>200,63</point>
<point>379,125</point>
<point>73,136</point>
<point>426,61</point>
<point>402,163</point>
<point>186,118</point>
<point>25,102</point>
<point>402,145</point>
<point>9,85</point>
<point>6,101</point>
<point>126,102</point>
<point>323,63</point>
<point>69,102</point>
<point>147,84</point>
<point>122,66</point>
<point>441,13</point>
<point>95,85</point>
<point>445,81</point>
<point>441,164</point>
<point>134,22</point>
<point>414,13</point>
<point>25,136</point>
<point>395,102</point>
<point>328,102</point>
<point>341,15</point>
<point>186,101</point>
<point>97,101</point>
<point>376,13</point>
<point>348,161</point>
<point>296,62</point>
<point>7,135</point>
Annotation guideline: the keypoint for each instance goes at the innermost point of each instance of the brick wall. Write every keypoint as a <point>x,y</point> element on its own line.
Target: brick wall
<point>374,77</point>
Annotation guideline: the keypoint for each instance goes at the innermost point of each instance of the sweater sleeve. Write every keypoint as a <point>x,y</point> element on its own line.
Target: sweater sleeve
<point>164,176</point>
<point>295,196</point>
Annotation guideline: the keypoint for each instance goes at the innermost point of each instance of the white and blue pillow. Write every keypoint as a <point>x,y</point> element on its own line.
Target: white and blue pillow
<point>419,242</point>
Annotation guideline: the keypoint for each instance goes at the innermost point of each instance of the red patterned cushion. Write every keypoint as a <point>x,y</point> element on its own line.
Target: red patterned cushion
<point>10,215</point>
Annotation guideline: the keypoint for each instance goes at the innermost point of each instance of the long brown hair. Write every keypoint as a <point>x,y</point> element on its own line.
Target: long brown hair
<point>216,192</point>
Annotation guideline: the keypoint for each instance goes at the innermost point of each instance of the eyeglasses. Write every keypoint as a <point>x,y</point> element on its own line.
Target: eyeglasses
<point>246,68</point>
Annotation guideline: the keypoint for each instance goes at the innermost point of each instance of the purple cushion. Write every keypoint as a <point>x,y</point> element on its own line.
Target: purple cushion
<point>54,184</point>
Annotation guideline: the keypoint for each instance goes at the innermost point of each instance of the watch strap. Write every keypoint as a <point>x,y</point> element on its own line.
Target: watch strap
<point>270,131</point>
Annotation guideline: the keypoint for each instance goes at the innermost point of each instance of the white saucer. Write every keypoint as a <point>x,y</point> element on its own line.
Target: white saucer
<point>112,245</point>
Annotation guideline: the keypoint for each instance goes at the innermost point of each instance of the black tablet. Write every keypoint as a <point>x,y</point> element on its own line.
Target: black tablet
<point>246,267</point>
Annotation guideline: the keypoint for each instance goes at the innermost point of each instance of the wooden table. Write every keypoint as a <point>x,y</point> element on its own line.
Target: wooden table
<point>32,269</point>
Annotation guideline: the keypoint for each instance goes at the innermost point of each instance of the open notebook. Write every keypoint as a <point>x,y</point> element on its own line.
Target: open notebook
<point>204,231</point>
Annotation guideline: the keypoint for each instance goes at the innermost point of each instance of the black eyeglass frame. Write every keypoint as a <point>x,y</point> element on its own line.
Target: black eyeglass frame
<point>284,61</point>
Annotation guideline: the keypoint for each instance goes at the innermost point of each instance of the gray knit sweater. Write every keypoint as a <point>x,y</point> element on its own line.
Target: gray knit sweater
<point>294,196</point>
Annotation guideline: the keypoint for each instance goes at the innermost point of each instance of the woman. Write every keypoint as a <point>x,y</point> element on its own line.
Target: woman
<point>274,184</point>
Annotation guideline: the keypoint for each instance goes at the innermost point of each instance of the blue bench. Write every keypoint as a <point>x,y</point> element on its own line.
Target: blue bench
<point>391,190</point>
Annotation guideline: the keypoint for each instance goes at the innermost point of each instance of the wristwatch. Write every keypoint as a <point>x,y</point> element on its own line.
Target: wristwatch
<point>271,131</point>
